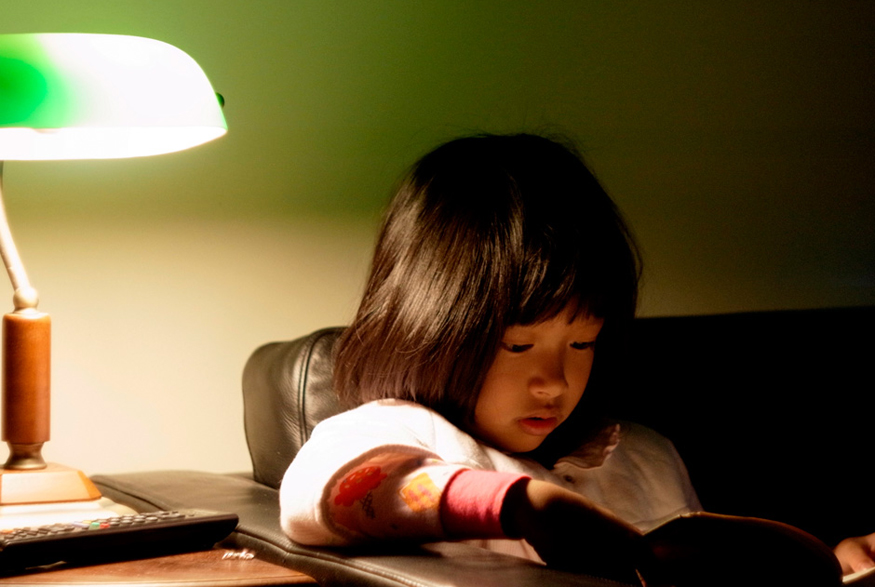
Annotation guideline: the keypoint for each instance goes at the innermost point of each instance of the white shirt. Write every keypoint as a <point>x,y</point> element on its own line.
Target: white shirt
<point>632,471</point>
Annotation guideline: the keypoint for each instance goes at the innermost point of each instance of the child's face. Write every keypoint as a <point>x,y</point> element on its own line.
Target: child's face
<point>535,381</point>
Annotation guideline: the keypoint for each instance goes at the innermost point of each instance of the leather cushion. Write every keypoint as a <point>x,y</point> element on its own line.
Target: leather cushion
<point>287,389</point>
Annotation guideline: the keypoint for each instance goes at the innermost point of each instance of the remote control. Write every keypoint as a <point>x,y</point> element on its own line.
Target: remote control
<point>123,537</point>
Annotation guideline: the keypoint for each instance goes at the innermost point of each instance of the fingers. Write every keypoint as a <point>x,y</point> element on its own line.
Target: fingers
<point>856,554</point>
<point>570,532</point>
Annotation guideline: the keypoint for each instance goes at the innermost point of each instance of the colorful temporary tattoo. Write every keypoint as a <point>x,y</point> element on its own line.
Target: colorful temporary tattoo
<point>421,494</point>
<point>358,484</point>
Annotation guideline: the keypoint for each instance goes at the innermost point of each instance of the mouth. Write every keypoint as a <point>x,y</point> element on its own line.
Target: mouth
<point>538,425</point>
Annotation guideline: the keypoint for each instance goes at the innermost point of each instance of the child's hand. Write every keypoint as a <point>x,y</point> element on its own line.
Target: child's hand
<point>856,554</point>
<point>569,531</point>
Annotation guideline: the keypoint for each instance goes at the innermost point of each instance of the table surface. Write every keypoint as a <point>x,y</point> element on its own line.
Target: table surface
<point>223,568</point>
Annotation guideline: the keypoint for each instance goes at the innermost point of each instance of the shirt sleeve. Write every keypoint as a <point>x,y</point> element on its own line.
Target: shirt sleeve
<point>392,494</point>
<point>473,501</point>
<point>355,481</point>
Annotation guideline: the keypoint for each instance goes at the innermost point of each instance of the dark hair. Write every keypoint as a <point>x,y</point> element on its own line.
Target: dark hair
<point>483,233</point>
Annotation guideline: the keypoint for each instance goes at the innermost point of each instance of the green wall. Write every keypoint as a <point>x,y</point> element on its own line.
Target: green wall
<point>736,135</point>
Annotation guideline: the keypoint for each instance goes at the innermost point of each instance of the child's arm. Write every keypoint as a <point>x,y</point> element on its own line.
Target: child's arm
<point>856,554</point>
<point>569,531</point>
<point>371,475</point>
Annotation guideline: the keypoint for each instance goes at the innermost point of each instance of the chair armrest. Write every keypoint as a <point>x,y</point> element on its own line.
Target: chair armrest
<point>259,531</point>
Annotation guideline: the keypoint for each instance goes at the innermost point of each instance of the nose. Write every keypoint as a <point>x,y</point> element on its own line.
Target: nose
<point>548,379</point>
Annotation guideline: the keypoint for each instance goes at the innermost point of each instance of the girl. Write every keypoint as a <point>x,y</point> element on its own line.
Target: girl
<point>501,285</point>
<point>500,263</point>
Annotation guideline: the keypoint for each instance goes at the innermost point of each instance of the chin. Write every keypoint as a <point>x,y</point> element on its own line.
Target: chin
<point>512,444</point>
<point>522,447</point>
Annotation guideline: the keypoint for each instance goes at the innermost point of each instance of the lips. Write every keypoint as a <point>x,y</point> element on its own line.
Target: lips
<point>538,425</point>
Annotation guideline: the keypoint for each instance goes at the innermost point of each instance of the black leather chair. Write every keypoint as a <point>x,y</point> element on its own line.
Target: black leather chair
<point>771,412</point>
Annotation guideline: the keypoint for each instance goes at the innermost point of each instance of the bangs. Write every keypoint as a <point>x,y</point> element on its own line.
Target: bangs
<point>589,287</point>
<point>550,297</point>
<point>574,251</point>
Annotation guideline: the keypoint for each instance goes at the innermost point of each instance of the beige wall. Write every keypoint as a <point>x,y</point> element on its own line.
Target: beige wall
<point>737,136</point>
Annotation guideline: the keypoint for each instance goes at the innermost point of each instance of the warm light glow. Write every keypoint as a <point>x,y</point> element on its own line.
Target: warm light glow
<point>76,96</point>
<point>83,96</point>
<point>100,143</point>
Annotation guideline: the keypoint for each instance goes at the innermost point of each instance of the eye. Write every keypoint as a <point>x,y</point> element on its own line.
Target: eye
<point>582,346</point>
<point>515,348</point>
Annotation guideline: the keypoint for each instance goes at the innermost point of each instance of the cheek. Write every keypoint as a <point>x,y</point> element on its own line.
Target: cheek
<point>488,400</point>
<point>579,376</point>
<point>494,387</point>
<point>492,401</point>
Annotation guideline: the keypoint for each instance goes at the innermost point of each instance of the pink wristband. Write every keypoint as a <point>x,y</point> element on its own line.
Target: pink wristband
<point>471,506</point>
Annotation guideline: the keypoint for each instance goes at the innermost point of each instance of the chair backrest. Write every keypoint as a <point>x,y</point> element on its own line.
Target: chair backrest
<point>287,390</point>
<point>770,411</point>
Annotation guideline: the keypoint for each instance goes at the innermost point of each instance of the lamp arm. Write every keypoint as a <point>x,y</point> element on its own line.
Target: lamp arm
<point>25,296</point>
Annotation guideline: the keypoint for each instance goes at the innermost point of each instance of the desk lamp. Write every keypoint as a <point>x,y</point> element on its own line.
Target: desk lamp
<point>77,96</point>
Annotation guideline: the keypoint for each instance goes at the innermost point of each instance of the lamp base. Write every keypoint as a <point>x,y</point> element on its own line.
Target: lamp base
<point>55,483</point>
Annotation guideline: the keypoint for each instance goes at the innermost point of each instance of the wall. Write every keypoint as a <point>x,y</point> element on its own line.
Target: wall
<point>737,136</point>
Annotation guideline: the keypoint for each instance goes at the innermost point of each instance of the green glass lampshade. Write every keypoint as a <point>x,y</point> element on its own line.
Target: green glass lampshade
<point>97,96</point>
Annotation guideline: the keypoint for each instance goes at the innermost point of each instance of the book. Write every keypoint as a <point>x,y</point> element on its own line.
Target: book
<point>861,578</point>
<point>703,549</point>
